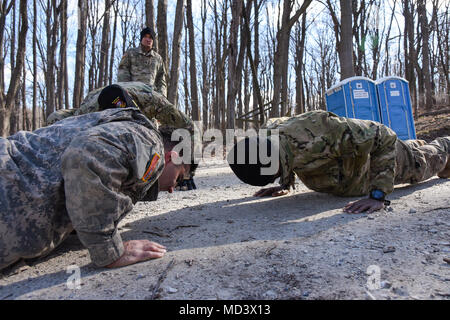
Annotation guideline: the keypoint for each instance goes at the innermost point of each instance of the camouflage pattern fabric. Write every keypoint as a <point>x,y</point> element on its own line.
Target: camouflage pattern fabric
<point>146,67</point>
<point>417,160</point>
<point>351,157</point>
<point>151,103</point>
<point>83,173</point>
<point>59,115</point>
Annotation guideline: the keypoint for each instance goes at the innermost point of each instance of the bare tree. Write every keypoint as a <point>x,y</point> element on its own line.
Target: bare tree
<point>234,63</point>
<point>162,32</point>
<point>80,55</point>
<point>104,47</point>
<point>150,18</point>
<point>35,123</point>
<point>205,69</point>
<point>172,92</point>
<point>62,76</point>
<point>281,58</point>
<point>343,33</point>
<point>192,64</point>
<point>7,102</point>
<point>300,37</point>
<point>424,28</point>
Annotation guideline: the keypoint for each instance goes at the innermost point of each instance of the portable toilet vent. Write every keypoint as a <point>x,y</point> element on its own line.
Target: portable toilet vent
<point>354,97</point>
<point>395,106</point>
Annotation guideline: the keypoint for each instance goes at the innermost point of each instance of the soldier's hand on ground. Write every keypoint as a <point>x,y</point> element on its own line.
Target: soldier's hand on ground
<point>137,251</point>
<point>273,191</point>
<point>362,205</point>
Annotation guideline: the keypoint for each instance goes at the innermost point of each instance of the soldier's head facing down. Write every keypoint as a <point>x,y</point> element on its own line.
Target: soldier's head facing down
<point>174,169</point>
<point>114,96</point>
<point>248,160</point>
<point>147,38</point>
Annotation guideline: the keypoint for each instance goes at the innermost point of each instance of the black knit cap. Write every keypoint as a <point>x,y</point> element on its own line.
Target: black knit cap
<point>147,30</point>
<point>114,96</point>
<point>247,172</point>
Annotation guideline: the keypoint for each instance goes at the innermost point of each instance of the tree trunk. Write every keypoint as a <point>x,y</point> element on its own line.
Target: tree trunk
<point>80,56</point>
<point>172,92</point>
<point>62,71</point>
<point>205,78</point>
<point>104,47</point>
<point>424,27</point>
<point>150,18</point>
<point>162,32</point>
<point>281,58</point>
<point>113,46</point>
<point>346,46</point>
<point>236,10</point>
<point>8,103</point>
<point>299,56</point>
<point>35,121</point>
<point>192,63</point>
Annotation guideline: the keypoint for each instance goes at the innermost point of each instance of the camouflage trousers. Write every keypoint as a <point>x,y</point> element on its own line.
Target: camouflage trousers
<point>417,160</point>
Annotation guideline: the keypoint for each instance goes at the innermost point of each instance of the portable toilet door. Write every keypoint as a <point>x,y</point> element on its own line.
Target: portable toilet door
<point>395,106</point>
<point>354,97</point>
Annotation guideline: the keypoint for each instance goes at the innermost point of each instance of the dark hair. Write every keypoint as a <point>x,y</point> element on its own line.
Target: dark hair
<point>248,170</point>
<point>148,30</point>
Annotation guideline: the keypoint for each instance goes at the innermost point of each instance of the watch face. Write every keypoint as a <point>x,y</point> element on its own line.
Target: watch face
<point>377,194</point>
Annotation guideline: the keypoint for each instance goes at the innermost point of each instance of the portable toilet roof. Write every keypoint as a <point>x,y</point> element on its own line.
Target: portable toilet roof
<point>351,100</point>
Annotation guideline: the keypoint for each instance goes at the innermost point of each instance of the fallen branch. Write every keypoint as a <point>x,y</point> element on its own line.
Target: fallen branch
<point>157,287</point>
<point>440,208</point>
<point>161,235</point>
<point>186,226</point>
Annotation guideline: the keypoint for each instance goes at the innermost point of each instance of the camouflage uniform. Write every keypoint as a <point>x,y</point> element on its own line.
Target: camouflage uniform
<point>151,103</point>
<point>147,67</point>
<point>351,157</point>
<point>83,173</point>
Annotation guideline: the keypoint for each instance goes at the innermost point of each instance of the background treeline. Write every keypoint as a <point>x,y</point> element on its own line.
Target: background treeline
<point>226,60</point>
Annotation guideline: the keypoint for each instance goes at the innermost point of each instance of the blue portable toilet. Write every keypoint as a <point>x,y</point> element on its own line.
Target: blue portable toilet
<point>354,97</point>
<point>395,106</point>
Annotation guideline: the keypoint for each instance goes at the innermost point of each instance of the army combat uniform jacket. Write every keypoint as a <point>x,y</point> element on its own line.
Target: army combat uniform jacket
<point>83,173</point>
<point>147,67</point>
<point>351,157</point>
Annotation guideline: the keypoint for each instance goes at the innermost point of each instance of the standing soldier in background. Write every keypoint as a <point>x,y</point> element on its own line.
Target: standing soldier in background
<point>144,64</point>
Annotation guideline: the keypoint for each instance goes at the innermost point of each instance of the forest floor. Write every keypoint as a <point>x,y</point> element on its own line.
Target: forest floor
<point>223,243</point>
<point>433,124</point>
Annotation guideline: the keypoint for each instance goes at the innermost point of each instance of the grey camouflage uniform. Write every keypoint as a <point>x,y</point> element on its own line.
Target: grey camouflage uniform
<point>147,67</point>
<point>83,173</point>
<point>351,157</point>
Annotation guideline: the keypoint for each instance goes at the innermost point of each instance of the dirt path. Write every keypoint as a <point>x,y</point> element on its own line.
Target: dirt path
<point>225,244</point>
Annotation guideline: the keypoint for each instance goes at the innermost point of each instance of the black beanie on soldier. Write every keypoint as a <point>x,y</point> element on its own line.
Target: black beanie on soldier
<point>147,30</point>
<point>114,96</point>
<point>247,172</point>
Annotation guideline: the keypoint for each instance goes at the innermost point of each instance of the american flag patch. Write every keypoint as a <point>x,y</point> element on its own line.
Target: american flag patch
<point>151,167</point>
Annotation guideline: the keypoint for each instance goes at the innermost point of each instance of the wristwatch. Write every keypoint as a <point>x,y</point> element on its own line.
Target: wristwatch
<point>379,195</point>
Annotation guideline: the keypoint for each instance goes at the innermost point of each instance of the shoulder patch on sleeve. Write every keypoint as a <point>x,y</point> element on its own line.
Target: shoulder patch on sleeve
<point>151,166</point>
